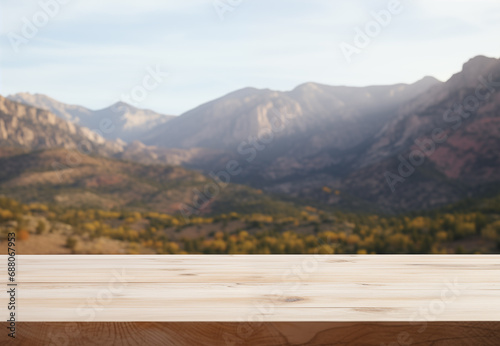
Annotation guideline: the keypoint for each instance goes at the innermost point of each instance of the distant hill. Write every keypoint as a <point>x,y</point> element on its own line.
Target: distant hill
<point>32,128</point>
<point>70,178</point>
<point>118,121</point>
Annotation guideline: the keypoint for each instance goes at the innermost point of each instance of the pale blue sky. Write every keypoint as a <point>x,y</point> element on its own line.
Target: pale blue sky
<point>93,51</point>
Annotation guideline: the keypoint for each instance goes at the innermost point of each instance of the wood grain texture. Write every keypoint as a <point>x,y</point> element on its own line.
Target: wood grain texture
<point>261,334</point>
<point>268,288</point>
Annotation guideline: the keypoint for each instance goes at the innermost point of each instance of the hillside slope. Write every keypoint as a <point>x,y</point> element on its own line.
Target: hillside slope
<point>71,178</point>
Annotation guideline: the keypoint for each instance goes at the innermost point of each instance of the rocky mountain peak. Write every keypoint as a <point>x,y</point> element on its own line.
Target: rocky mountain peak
<point>471,70</point>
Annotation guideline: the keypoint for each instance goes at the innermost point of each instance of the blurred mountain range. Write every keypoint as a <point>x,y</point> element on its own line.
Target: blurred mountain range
<point>384,148</point>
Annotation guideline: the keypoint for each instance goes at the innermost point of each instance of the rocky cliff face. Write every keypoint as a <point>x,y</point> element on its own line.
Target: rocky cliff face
<point>309,114</point>
<point>442,146</point>
<point>33,128</point>
<point>119,121</point>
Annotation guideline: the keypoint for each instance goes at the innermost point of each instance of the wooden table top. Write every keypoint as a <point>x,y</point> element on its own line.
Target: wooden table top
<point>240,288</point>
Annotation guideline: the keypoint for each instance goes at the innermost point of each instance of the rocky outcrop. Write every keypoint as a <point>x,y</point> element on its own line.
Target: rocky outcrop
<point>33,128</point>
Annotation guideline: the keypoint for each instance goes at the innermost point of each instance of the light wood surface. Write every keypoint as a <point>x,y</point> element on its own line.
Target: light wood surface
<point>269,288</point>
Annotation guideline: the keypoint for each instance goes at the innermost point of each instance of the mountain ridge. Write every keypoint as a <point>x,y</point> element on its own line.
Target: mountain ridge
<point>316,138</point>
<point>117,121</point>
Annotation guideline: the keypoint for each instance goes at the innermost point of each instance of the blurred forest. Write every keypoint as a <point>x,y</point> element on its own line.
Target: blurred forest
<point>469,227</point>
